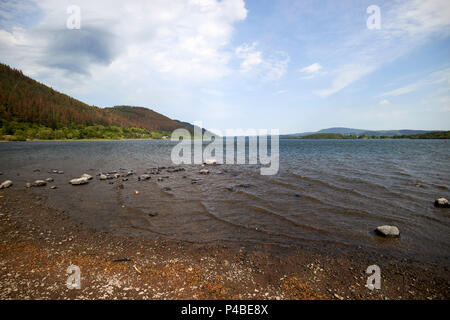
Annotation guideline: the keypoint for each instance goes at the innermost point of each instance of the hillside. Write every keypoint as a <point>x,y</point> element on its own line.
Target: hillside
<point>25,100</point>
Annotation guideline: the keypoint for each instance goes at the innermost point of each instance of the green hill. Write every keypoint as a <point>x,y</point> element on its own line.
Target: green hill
<point>32,110</point>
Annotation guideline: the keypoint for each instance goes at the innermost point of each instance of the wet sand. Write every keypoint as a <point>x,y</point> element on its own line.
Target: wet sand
<point>38,243</point>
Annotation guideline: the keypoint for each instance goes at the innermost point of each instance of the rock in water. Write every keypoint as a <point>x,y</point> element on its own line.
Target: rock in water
<point>441,203</point>
<point>210,161</point>
<point>49,179</point>
<point>87,176</point>
<point>6,184</point>
<point>103,177</point>
<point>79,181</point>
<point>39,183</point>
<point>144,177</point>
<point>388,231</point>
<point>204,171</point>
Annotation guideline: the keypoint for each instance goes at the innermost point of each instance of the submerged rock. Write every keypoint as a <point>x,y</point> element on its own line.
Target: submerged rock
<point>79,181</point>
<point>39,183</point>
<point>6,184</point>
<point>388,231</point>
<point>441,203</point>
<point>195,181</point>
<point>204,171</point>
<point>170,170</point>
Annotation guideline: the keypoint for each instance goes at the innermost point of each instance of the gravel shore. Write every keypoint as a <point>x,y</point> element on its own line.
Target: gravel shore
<point>38,244</point>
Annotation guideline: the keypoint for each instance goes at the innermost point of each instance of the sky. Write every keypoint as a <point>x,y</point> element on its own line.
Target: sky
<point>295,66</point>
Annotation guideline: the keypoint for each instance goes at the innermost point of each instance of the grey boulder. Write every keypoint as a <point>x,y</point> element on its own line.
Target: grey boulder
<point>388,231</point>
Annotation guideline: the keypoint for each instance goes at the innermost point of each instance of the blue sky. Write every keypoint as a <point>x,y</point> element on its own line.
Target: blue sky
<point>290,65</point>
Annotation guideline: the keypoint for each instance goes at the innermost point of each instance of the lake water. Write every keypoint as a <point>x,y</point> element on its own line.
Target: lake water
<point>330,193</point>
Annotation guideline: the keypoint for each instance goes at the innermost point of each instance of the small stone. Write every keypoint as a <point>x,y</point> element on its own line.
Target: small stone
<point>338,296</point>
<point>39,183</point>
<point>103,177</point>
<point>6,184</point>
<point>28,185</point>
<point>79,181</point>
<point>204,171</point>
<point>49,179</point>
<point>136,192</point>
<point>388,231</point>
<point>60,172</point>
<point>160,179</point>
<point>53,187</point>
<point>441,203</point>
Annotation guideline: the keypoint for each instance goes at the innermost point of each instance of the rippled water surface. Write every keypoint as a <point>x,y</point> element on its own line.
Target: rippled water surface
<point>327,192</point>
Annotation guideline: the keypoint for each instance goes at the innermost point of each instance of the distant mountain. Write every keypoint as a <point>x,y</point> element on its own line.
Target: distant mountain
<point>360,132</point>
<point>26,100</point>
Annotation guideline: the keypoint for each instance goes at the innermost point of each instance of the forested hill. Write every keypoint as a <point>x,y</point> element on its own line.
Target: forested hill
<point>23,99</point>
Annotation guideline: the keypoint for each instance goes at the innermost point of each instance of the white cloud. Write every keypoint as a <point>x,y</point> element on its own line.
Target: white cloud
<point>272,67</point>
<point>251,58</point>
<point>405,26</point>
<point>434,78</point>
<point>178,38</point>
<point>384,102</point>
<point>312,70</point>
<point>344,76</point>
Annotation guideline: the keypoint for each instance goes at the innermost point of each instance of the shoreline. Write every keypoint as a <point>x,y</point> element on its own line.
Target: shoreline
<point>39,243</point>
